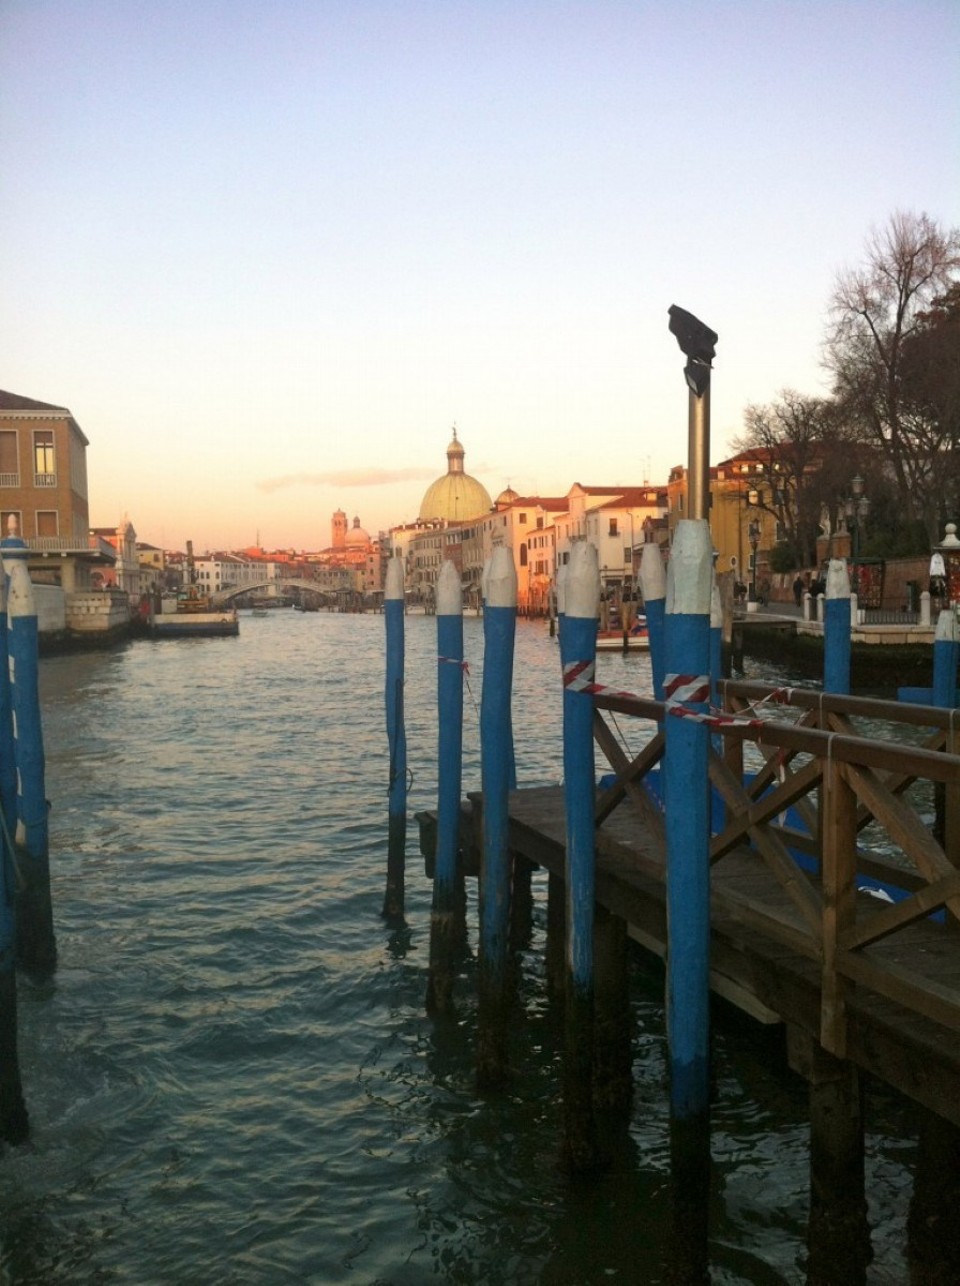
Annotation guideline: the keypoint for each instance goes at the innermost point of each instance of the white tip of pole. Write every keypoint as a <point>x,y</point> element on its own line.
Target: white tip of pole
<point>501,578</point>
<point>690,574</point>
<point>562,590</point>
<point>583,581</point>
<point>20,599</point>
<point>716,603</point>
<point>838,579</point>
<point>449,591</point>
<point>393,588</point>
<point>947,629</point>
<point>653,579</point>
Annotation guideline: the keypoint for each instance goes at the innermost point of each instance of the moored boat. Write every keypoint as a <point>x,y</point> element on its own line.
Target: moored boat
<point>192,613</point>
<point>634,639</point>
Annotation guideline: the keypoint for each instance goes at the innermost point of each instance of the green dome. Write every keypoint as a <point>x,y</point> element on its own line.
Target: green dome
<point>455,497</point>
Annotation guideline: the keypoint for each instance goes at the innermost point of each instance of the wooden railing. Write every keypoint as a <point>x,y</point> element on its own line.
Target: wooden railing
<point>818,780</point>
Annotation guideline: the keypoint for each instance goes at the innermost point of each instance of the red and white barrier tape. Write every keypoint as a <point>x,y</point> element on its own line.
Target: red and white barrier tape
<point>578,676</point>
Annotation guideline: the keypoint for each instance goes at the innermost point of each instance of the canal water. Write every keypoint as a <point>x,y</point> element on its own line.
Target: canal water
<point>232,1079</point>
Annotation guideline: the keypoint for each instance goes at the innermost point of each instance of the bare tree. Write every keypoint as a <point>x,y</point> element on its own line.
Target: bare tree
<point>876,310</point>
<point>793,441</point>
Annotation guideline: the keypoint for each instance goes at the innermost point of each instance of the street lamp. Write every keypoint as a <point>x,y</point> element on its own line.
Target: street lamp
<point>753,535</point>
<point>855,510</point>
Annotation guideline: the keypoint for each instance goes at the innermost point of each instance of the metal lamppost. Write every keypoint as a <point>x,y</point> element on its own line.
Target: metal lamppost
<point>855,510</point>
<point>753,534</point>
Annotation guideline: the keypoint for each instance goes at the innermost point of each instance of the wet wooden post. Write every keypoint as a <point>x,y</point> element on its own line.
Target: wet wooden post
<point>687,797</point>
<point>613,1045</point>
<point>716,642</point>
<point>393,607</point>
<point>445,935</point>
<point>14,1124</point>
<point>36,943</point>
<point>838,1235</point>
<point>578,653</point>
<point>933,1224</point>
<point>653,582</point>
<point>836,629</point>
<point>496,769</point>
<point>946,655</point>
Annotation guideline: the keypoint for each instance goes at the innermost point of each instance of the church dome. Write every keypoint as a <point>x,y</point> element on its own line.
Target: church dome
<point>455,497</point>
<point>356,535</point>
<point>507,497</point>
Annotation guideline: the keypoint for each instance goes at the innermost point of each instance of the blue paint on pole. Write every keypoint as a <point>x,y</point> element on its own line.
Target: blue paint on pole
<point>578,650</point>
<point>946,655</point>
<point>393,609</point>
<point>836,629</point>
<point>36,944</point>
<point>687,793</point>
<point>446,876</point>
<point>496,768</point>
<point>653,585</point>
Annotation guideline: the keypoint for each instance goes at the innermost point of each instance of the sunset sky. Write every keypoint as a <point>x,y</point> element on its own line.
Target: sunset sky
<point>268,252</point>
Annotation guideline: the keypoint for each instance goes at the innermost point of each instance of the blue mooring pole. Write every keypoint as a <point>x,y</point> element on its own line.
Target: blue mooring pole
<point>445,934</point>
<point>836,629</point>
<point>578,652</point>
<point>36,944</point>
<point>393,607</point>
<point>653,583</point>
<point>14,1124</point>
<point>946,655</point>
<point>496,757</point>
<point>687,798</point>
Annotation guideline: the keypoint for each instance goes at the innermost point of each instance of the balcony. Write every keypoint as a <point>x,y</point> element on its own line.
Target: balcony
<point>9,480</point>
<point>44,479</point>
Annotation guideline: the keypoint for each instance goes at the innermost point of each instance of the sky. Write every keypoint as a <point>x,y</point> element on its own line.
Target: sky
<point>269,252</point>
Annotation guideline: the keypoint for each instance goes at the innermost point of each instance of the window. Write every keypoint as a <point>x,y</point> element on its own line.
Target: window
<point>523,518</point>
<point>9,459</point>
<point>48,522</point>
<point>613,527</point>
<point>627,555</point>
<point>44,462</point>
<point>523,555</point>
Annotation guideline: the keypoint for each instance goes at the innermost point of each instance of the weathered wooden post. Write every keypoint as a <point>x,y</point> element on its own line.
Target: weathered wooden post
<point>716,640</point>
<point>836,629</point>
<point>393,607</point>
<point>578,652</point>
<point>496,767</point>
<point>36,944</point>
<point>687,797</point>
<point>653,582</point>
<point>14,1125</point>
<point>445,935</point>
<point>946,655</point>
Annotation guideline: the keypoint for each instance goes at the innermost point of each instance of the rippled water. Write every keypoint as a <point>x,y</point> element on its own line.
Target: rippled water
<point>232,1078</point>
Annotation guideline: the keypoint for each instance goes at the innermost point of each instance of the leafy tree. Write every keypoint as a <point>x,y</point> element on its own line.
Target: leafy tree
<point>888,320</point>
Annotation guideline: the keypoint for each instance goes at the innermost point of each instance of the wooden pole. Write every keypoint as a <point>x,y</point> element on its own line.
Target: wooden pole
<point>496,767</point>
<point>836,629</point>
<point>445,938</point>
<point>687,799</point>
<point>578,652</point>
<point>14,1125</point>
<point>36,944</point>
<point>393,607</point>
<point>946,654</point>
<point>653,583</point>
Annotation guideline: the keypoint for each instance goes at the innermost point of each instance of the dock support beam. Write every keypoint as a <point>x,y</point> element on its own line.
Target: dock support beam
<point>933,1225</point>
<point>393,606</point>
<point>578,652</point>
<point>838,1236</point>
<point>497,775</point>
<point>445,937</point>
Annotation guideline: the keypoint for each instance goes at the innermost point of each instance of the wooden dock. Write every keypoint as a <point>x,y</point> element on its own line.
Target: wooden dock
<point>794,939</point>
